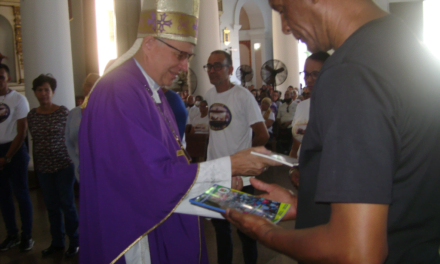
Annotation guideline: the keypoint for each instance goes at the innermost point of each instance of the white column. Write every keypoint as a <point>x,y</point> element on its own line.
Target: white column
<point>208,41</point>
<point>285,49</point>
<point>47,48</point>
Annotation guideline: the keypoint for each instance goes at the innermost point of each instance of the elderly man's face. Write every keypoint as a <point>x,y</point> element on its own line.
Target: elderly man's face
<point>165,60</point>
<point>299,18</point>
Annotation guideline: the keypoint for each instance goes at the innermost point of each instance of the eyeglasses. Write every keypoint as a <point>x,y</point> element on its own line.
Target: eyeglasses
<point>217,66</point>
<point>313,74</point>
<point>183,55</point>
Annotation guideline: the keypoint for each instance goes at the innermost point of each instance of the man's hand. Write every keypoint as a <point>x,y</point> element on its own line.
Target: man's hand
<point>253,226</point>
<point>237,183</point>
<point>294,177</point>
<point>243,163</point>
<point>277,193</point>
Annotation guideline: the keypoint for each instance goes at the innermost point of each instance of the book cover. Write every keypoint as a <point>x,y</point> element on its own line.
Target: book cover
<point>218,198</point>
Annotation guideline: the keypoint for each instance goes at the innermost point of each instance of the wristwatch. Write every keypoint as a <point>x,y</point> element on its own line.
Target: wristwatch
<point>8,160</point>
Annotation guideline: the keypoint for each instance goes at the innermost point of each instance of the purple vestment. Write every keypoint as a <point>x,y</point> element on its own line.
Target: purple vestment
<point>131,176</point>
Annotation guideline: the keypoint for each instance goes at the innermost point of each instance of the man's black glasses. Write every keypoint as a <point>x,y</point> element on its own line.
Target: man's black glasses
<point>313,74</point>
<point>217,66</point>
<point>183,55</point>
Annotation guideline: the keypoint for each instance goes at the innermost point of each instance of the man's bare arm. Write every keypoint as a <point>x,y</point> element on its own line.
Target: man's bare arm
<point>356,233</point>
<point>18,140</point>
<point>269,123</point>
<point>294,150</point>
<point>260,134</point>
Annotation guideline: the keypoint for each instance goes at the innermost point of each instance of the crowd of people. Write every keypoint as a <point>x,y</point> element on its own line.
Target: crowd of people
<point>368,152</point>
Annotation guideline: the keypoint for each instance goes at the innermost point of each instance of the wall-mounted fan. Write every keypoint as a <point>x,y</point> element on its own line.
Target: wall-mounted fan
<point>274,72</point>
<point>187,81</point>
<point>244,73</point>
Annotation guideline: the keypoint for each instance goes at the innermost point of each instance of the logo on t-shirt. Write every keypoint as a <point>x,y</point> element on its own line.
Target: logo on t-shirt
<point>219,116</point>
<point>4,112</point>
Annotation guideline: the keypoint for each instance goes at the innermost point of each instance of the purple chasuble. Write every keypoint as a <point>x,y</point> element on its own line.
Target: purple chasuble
<point>131,176</point>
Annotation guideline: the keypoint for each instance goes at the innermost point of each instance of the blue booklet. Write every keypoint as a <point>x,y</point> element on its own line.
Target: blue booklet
<point>218,198</point>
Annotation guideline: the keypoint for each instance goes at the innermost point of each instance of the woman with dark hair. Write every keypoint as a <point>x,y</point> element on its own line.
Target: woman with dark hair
<point>53,166</point>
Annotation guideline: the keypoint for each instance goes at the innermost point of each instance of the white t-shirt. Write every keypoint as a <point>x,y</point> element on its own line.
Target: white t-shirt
<point>271,117</point>
<point>301,119</point>
<point>231,115</point>
<point>13,106</point>
<point>200,124</point>
<point>193,111</point>
<point>286,112</point>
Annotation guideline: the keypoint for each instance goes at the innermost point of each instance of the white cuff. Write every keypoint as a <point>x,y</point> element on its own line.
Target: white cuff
<point>211,172</point>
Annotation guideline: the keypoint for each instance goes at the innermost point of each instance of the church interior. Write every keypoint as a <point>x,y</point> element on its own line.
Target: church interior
<point>72,38</point>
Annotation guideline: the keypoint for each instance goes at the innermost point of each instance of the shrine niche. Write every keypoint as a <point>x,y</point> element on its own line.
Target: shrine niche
<point>11,52</point>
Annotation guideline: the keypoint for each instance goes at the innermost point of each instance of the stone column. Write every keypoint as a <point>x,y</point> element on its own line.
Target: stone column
<point>285,49</point>
<point>208,41</point>
<point>47,48</point>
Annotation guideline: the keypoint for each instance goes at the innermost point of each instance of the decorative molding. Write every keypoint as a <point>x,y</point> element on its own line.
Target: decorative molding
<point>18,41</point>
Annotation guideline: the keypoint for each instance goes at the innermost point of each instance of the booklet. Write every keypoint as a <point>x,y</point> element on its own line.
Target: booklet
<point>286,160</point>
<point>218,198</point>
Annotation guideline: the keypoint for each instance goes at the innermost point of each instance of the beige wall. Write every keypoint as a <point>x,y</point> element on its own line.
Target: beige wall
<point>244,20</point>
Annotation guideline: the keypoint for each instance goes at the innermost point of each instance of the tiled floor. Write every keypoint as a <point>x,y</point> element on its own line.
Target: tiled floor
<point>42,237</point>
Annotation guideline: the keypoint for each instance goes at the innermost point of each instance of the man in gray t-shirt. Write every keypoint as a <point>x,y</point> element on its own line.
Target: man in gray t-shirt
<point>369,162</point>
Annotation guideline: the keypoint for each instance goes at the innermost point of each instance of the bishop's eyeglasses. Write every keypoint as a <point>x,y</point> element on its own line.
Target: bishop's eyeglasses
<point>183,55</point>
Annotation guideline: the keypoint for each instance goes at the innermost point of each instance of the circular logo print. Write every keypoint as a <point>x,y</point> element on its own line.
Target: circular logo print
<point>4,112</point>
<point>219,116</point>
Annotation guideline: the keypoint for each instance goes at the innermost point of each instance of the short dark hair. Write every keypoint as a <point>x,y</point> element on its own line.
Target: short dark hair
<point>227,55</point>
<point>199,97</point>
<point>42,79</point>
<point>4,66</point>
<point>319,56</point>
<point>204,101</point>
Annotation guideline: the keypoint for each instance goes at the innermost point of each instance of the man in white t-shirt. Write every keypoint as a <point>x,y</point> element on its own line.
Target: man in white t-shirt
<point>285,114</point>
<point>233,115</point>
<point>200,122</point>
<point>312,67</point>
<point>14,161</point>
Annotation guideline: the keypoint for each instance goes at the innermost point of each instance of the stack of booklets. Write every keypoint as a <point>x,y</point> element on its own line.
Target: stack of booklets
<point>218,198</point>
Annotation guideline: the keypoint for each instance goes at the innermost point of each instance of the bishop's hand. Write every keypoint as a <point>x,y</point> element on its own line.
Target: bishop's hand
<point>243,163</point>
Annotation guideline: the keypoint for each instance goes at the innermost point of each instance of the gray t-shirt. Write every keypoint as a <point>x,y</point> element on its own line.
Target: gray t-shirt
<point>374,137</point>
